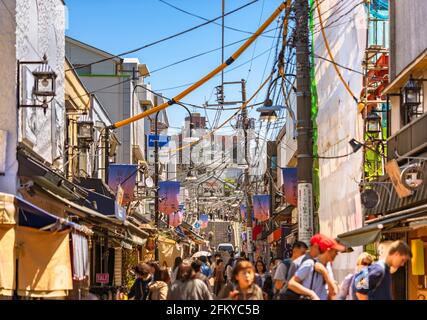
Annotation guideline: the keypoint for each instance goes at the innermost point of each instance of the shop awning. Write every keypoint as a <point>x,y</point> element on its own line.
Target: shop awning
<point>282,213</point>
<point>29,215</point>
<point>44,176</point>
<point>92,214</point>
<point>372,231</point>
<point>275,236</point>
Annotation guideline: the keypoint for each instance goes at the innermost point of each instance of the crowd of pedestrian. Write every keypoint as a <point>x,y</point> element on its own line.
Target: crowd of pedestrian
<point>305,275</point>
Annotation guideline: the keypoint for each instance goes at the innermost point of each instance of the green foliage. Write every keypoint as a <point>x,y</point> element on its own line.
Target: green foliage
<point>129,261</point>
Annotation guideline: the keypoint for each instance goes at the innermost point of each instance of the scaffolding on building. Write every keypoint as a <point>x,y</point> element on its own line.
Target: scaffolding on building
<point>376,78</point>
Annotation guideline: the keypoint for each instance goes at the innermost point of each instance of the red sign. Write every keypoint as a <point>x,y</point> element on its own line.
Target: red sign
<point>102,278</point>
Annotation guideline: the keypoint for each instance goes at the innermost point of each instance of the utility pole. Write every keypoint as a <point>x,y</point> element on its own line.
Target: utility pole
<point>156,181</point>
<point>246,125</point>
<point>304,124</point>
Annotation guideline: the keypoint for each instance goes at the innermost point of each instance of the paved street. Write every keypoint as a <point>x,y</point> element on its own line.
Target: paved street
<point>213,150</point>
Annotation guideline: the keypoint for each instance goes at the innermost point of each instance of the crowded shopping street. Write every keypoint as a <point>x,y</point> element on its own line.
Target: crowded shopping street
<point>212,151</point>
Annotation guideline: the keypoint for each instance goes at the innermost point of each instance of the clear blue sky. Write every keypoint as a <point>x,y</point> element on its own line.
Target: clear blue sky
<point>117,26</point>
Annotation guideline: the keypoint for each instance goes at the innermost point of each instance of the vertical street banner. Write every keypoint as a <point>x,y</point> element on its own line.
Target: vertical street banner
<point>290,185</point>
<point>243,212</point>
<point>175,218</point>
<point>123,175</point>
<point>168,196</point>
<point>305,212</point>
<point>204,219</point>
<point>261,204</point>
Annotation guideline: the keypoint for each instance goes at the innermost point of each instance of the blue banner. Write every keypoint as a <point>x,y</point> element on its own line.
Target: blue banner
<point>168,196</point>
<point>125,176</point>
<point>290,185</point>
<point>261,203</point>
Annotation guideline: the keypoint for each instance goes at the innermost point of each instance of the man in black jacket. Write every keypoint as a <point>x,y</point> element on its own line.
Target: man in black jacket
<point>140,289</point>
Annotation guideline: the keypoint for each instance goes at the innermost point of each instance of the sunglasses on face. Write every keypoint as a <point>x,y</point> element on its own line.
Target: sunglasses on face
<point>364,263</point>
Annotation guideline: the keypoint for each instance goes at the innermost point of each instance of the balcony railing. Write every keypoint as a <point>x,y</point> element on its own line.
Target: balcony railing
<point>389,200</point>
<point>410,140</point>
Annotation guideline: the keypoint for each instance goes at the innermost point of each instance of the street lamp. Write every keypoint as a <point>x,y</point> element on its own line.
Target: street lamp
<point>373,123</point>
<point>411,99</point>
<point>44,84</point>
<point>268,113</point>
<point>412,93</point>
<point>355,145</point>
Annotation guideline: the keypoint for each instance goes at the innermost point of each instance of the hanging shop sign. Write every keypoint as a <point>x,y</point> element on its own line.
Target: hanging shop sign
<point>261,205</point>
<point>412,177</point>
<point>249,240</point>
<point>120,212</point>
<point>305,212</point>
<point>243,212</point>
<point>290,185</point>
<point>120,195</point>
<point>123,175</point>
<point>393,171</point>
<point>370,198</point>
<point>102,278</point>
<point>168,196</point>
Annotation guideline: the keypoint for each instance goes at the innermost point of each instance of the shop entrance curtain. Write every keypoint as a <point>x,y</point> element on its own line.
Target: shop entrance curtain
<point>44,265</point>
<point>7,259</point>
<point>80,256</point>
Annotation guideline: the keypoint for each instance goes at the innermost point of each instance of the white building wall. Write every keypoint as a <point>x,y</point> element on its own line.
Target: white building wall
<point>29,30</point>
<point>8,118</point>
<point>339,121</point>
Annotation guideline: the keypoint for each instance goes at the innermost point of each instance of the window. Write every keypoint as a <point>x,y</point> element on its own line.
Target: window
<point>83,69</point>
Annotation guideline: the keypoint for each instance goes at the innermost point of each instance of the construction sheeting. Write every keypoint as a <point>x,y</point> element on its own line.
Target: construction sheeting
<point>7,259</point>
<point>44,268</point>
<point>338,121</point>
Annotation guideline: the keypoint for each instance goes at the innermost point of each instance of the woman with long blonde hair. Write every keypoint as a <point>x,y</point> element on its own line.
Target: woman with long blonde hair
<point>345,292</point>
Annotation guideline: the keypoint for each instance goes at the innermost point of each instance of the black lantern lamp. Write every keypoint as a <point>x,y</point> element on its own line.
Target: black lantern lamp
<point>373,123</point>
<point>44,83</point>
<point>411,98</point>
<point>85,134</point>
<point>411,94</point>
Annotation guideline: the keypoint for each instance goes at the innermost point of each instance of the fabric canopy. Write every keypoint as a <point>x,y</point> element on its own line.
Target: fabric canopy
<point>168,251</point>
<point>372,232</point>
<point>44,268</point>
<point>7,259</point>
<point>7,208</point>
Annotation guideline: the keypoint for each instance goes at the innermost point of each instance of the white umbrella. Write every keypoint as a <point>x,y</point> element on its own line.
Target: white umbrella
<point>201,254</point>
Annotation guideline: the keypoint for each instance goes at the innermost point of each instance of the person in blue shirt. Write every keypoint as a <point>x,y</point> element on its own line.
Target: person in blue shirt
<point>375,282</point>
<point>308,281</point>
<point>205,268</point>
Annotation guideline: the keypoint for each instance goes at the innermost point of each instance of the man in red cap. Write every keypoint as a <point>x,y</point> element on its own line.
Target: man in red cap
<point>313,270</point>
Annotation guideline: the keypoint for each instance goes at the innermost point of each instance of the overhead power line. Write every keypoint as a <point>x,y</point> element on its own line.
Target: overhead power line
<point>202,18</point>
<point>164,39</point>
